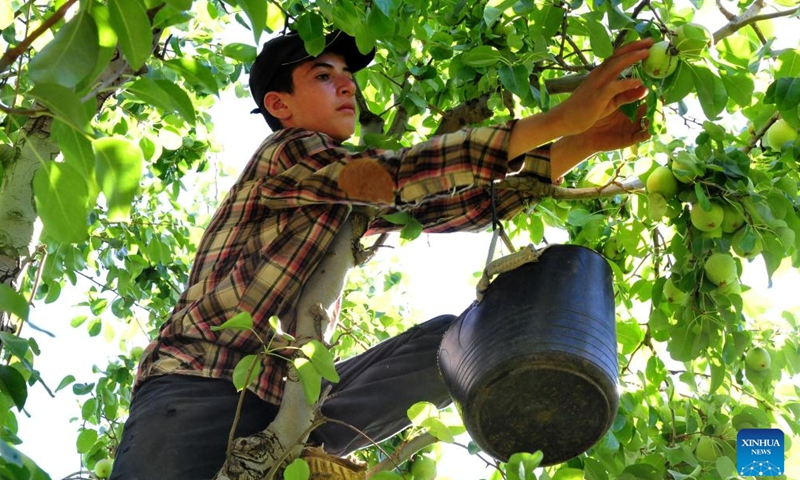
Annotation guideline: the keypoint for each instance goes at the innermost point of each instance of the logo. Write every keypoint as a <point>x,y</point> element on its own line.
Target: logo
<point>759,452</point>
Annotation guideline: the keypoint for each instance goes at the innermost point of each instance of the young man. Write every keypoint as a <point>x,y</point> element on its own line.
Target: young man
<point>279,220</point>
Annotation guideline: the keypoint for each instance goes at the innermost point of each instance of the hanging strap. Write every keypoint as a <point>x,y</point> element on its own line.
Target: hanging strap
<point>503,264</point>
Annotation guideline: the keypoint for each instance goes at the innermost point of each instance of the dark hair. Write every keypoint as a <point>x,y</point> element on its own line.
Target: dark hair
<point>281,82</point>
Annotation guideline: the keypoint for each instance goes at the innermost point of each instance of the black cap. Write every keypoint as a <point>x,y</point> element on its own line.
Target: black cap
<point>288,49</point>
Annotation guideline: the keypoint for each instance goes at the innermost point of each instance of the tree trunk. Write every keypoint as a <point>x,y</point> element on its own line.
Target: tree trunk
<point>17,207</point>
<point>262,454</point>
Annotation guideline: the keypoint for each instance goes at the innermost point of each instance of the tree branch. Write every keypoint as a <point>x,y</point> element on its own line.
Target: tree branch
<point>471,112</point>
<point>11,55</point>
<point>750,16</point>
<point>534,188</point>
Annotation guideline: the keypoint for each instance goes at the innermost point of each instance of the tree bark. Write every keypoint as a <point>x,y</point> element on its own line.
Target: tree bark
<point>18,209</point>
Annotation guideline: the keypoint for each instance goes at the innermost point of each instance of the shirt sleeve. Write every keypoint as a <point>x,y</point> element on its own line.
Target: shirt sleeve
<point>471,209</point>
<point>322,171</point>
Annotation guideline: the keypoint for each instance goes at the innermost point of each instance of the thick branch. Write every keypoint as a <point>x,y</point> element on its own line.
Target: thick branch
<point>470,112</point>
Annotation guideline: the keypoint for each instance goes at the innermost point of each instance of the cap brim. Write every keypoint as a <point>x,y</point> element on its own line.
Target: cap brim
<point>341,43</point>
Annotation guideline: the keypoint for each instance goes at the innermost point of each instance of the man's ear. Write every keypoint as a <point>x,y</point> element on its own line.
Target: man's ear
<point>273,102</point>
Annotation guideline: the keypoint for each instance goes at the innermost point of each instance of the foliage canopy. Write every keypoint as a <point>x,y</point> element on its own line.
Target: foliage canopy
<point>105,126</point>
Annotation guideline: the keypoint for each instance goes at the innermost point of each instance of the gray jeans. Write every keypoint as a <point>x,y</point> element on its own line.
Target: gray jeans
<point>178,425</point>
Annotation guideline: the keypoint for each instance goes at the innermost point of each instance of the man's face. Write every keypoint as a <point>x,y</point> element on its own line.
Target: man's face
<point>323,97</point>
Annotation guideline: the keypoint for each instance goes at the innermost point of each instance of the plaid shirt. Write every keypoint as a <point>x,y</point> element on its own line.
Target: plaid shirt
<point>278,220</point>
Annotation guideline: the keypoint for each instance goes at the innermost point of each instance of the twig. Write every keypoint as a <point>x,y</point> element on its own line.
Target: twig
<point>759,134</point>
<point>357,430</point>
<point>239,405</point>
<point>403,453</point>
<point>12,54</point>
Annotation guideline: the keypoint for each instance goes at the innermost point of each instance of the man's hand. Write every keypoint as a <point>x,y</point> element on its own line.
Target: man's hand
<point>603,91</point>
<point>609,133</point>
<point>589,120</point>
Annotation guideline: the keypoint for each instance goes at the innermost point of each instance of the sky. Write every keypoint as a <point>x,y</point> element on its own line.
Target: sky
<point>440,269</point>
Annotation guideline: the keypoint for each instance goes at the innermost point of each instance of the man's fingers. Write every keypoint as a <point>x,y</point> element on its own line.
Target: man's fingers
<point>624,91</point>
<point>637,45</point>
<point>630,96</point>
<point>622,59</point>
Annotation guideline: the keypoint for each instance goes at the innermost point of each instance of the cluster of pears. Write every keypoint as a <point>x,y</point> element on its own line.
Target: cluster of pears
<point>713,220</point>
<point>687,41</point>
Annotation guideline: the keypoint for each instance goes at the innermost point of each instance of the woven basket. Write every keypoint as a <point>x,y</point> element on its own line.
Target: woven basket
<point>328,467</point>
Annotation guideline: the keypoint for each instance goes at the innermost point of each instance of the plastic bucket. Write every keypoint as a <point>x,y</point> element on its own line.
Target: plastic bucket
<point>533,366</point>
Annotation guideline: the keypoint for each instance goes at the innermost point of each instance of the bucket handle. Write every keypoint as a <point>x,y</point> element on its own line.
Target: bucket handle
<point>506,264</point>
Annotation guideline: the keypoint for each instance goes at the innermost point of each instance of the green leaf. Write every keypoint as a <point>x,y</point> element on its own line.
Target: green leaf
<point>599,39</point>
<point>12,383</point>
<point>246,372</point>
<point>297,470</point>
<point>61,197</point>
<point>789,63</point>
<point>241,52</point>
<point>118,163</point>
<point>438,429</point>
<point>411,230</point>
<point>65,105</point>
<point>70,56</point>
<point>629,335</point>
<point>148,91</point>
<point>180,100</point>
<point>164,95</point>
<point>77,150</point>
<point>310,27</point>
<point>14,303</point>
<point>387,7</point>
<point>196,73</point>
<point>86,440</point>
<point>685,345</point>
<point>521,465</point>
<point>617,18</point>
<point>12,343</point>
<point>483,56</point>
<point>736,49</point>
<point>256,11</point>
<point>725,467</point>
<point>322,359</point>
<point>705,203</point>
<point>397,218</point>
<point>310,379</point>
<point>548,20</point>
<point>421,411</point>
<point>516,78</point>
<point>491,14</point>
<point>130,21</point>
<point>66,381</point>
<point>710,91</point>
<point>740,87</point>
<point>240,321</point>
<point>378,24</point>
<point>787,93</point>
